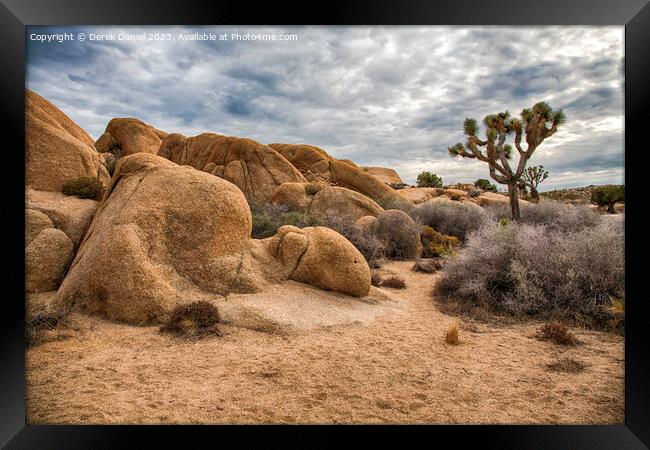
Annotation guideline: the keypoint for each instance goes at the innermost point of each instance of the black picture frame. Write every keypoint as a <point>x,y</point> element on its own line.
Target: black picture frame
<point>633,14</point>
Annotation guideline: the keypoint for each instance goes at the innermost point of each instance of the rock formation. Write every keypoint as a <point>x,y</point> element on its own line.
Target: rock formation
<point>131,136</point>
<point>384,174</point>
<point>57,150</point>
<point>253,167</point>
<point>316,164</point>
<point>168,234</point>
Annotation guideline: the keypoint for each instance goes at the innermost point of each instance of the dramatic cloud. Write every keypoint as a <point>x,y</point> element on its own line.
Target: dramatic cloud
<point>385,96</point>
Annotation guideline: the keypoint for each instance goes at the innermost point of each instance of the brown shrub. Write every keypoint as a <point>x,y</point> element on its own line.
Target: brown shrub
<point>375,279</point>
<point>556,333</point>
<point>394,282</point>
<point>195,319</point>
<point>400,234</point>
<point>428,266</point>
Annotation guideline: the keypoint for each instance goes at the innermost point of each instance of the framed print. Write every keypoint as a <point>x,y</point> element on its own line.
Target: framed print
<point>370,213</point>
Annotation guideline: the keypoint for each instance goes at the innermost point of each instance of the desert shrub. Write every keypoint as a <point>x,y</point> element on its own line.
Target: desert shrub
<point>375,278</point>
<point>115,149</point>
<point>484,184</point>
<point>436,244</point>
<point>451,337</point>
<point>453,219</point>
<point>194,319</point>
<point>84,187</point>
<point>394,281</point>
<point>529,269</point>
<point>370,246</point>
<point>400,234</point>
<point>557,333</point>
<point>395,202</point>
<point>36,325</point>
<point>398,186</point>
<point>109,163</point>
<point>474,193</point>
<point>268,217</point>
<point>552,214</point>
<point>428,179</point>
<point>456,197</point>
<point>608,195</point>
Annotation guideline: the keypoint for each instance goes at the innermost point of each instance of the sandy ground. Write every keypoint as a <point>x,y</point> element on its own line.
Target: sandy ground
<point>396,369</point>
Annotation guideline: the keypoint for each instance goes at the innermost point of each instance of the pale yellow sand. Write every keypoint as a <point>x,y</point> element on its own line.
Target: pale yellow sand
<point>396,369</point>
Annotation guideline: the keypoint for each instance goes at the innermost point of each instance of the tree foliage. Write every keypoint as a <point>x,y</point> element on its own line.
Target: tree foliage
<point>428,179</point>
<point>484,184</point>
<point>608,196</point>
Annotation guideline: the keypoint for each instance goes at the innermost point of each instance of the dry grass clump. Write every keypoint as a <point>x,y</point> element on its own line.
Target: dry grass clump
<point>42,327</point>
<point>196,319</point>
<point>84,187</point>
<point>428,265</point>
<point>392,281</point>
<point>557,333</point>
<point>450,218</point>
<point>451,337</point>
<point>437,244</point>
<point>395,282</point>
<point>566,365</point>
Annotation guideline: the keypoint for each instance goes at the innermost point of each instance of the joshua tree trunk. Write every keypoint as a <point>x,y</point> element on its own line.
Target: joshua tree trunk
<point>513,192</point>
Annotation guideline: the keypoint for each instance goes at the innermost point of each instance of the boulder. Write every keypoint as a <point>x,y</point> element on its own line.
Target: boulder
<point>70,214</point>
<point>57,150</point>
<point>35,222</point>
<point>131,135</point>
<point>256,169</point>
<point>324,259</point>
<point>163,234</point>
<point>384,174</point>
<point>342,203</point>
<point>293,195</point>
<point>420,194</point>
<point>47,258</point>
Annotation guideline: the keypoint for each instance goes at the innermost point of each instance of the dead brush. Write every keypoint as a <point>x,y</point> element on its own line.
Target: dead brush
<point>375,279</point>
<point>394,282</point>
<point>451,337</point>
<point>38,326</point>
<point>193,320</point>
<point>566,365</point>
<point>557,333</point>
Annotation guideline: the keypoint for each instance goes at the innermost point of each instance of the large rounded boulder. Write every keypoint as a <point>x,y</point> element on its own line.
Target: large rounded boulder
<point>57,149</point>
<point>345,204</point>
<point>129,136</point>
<point>323,258</point>
<point>164,235</point>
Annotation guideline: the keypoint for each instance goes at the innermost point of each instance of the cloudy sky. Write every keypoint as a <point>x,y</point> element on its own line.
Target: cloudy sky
<point>381,96</point>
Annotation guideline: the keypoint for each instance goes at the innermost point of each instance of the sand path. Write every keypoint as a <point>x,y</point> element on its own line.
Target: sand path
<point>398,369</point>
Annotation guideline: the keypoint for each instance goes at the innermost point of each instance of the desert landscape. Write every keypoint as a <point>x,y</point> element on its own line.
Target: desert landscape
<point>175,279</point>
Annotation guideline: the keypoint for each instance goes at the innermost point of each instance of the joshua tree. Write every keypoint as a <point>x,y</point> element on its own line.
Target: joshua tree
<point>531,177</point>
<point>608,196</point>
<point>536,124</point>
